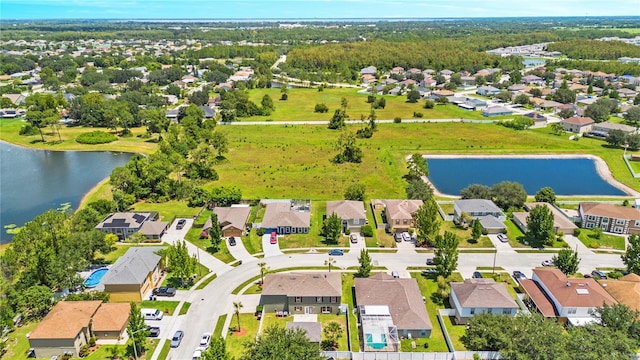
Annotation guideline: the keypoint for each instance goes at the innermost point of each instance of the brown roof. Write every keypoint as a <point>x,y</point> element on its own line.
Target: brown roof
<point>402,296</point>
<point>560,221</point>
<point>482,293</point>
<point>401,209</point>
<point>537,295</point>
<point>111,317</point>
<point>445,93</point>
<point>65,320</point>
<point>578,120</point>
<point>626,290</point>
<point>609,210</point>
<point>280,214</point>
<point>234,216</point>
<point>346,209</point>
<point>303,284</point>
<point>570,292</point>
<point>153,227</point>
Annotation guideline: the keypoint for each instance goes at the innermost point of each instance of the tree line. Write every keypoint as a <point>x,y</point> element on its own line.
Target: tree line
<point>584,49</point>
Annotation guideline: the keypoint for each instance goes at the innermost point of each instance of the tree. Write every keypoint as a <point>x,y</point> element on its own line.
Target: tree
<point>633,142</point>
<point>182,265</point>
<point>476,230</point>
<point>137,329</point>
<point>476,191</point>
<point>616,137</point>
<point>429,104</point>
<point>42,111</point>
<point>566,113</point>
<point>446,253</point>
<point>155,120</point>
<point>338,120</point>
<point>220,143</point>
<point>557,128</point>
<point>349,151</point>
<point>413,96</point>
<point>226,196</point>
<point>567,261</point>
<point>618,317</point>
<point>419,190</point>
<point>546,194</point>
<point>595,342</point>
<point>332,228</point>
<point>237,306</point>
<point>364,270</point>
<point>633,115</point>
<point>267,102</point>
<point>509,194</point>
<point>332,332</point>
<point>355,192</point>
<point>280,343</point>
<point>631,258</point>
<point>600,110</point>
<point>330,262</point>
<point>427,221</point>
<point>34,302</point>
<point>217,350</point>
<point>540,230</point>
<point>215,232</point>
<point>321,108</point>
<point>522,99</point>
<point>263,270</point>
<point>417,166</point>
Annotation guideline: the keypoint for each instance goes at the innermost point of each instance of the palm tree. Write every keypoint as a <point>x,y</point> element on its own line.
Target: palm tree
<point>237,305</point>
<point>330,261</point>
<point>263,270</point>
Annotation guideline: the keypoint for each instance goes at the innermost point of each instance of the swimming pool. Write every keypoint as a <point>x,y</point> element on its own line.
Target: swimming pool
<point>381,344</point>
<point>94,279</point>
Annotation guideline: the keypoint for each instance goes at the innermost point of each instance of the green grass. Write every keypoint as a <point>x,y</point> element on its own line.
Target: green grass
<point>384,251</point>
<point>223,254</point>
<point>175,282</point>
<point>185,308</point>
<point>340,319</point>
<point>465,236</point>
<point>236,343</point>
<point>348,298</point>
<point>516,237</point>
<point>427,287</point>
<point>455,332</point>
<point>219,325</point>
<point>447,208</point>
<point>17,343</point>
<point>168,210</point>
<point>635,165</point>
<point>254,289</point>
<point>252,242</point>
<point>237,290</point>
<point>165,350</point>
<point>166,306</point>
<point>314,238</point>
<point>606,241</point>
<point>206,282</point>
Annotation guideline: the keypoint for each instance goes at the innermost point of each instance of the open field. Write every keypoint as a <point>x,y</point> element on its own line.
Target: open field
<point>606,241</point>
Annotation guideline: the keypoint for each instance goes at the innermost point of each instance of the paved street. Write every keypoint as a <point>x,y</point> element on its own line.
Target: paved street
<point>239,251</point>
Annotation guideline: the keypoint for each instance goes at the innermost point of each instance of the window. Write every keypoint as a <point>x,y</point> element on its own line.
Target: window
<point>326,309</point>
<point>298,299</point>
<point>297,308</point>
<point>637,223</point>
<point>405,221</point>
<point>472,311</point>
<point>605,220</point>
<point>589,225</point>
<point>506,311</point>
<point>620,222</point>
<point>356,221</point>
<point>618,229</point>
<point>572,311</point>
<point>318,299</point>
<point>591,218</point>
<point>397,221</point>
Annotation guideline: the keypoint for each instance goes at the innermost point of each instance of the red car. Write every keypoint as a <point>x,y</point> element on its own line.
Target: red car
<point>274,238</point>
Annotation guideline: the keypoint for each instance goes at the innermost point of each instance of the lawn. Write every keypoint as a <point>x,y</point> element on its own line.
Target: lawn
<point>314,238</point>
<point>166,306</point>
<point>175,282</point>
<point>606,241</point>
<point>236,341</point>
<point>193,236</point>
<point>516,236</point>
<point>17,343</point>
<point>165,350</point>
<point>465,236</point>
<point>252,242</point>
<point>348,298</point>
<point>168,210</point>
<point>635,165</point>
<point>340,319</point>
<point>206,282</point>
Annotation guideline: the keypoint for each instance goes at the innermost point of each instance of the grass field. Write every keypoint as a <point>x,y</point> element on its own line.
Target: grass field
<point>427,287</point>
<point>236,341</point>
<point>168,210</point>
<point>348,298</point>
<point>606,241</point>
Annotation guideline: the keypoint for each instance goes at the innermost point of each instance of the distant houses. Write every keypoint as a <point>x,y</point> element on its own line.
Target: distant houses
<point>124,224</point>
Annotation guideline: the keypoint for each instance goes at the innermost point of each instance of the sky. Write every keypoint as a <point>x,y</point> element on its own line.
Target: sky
<point>309,9</point>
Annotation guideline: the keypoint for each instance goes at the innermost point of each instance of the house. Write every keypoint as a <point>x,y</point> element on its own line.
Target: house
<point>312,329</point>
<point>625,290</point>
<point>287,217</point>
<point>577,124</point>
<point>605,127</point>
<point>477,208</point>
<point>476,296</point>
<point>370,70</point>
<point>487,90</point>
<point>403,299</point>
<point>428,82</point>
<point>351,212</point>
<point>561,222</point>
<point>302,293</point>
<point>537,118</point>
<point>208,111</point>
<point>70,324</point>
<point>124,224</point>
<point>11,113</point>
<point>609,217</point>
<point>399,214</point>
<point>16,99</point>
<point>496,111</point>
<point>517,88</point>
<point>134,274</point>
<point>232,220</point>
<point>532,80</point>
<point>569,299</point>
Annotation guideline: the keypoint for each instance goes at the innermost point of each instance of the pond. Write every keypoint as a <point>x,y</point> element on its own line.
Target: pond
<point>565,175</point>
<point>34,181</point>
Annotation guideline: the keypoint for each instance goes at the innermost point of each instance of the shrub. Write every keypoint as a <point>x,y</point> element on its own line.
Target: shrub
<point>92,341</point>
<point>418,114</point>
<point>366,231</point>
<point>347,231</point>
<point>321,108</point>
<point>594,245</point>
<point>28,129</point>
<point>429,104</point>
<point>284,96</point>
<point>576,232</point>
<point>397,119</point>
<point>260,231</point>
<point>96,137</point>
<point>614,275</point>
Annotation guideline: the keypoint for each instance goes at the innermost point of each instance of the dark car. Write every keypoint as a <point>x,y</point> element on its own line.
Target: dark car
<point>232,241</point>
<point>519,275</point>
<point>181,223</point>
<point>598,274</point>
<point>177,339</point>
<point>164,291</point>
<point>336,252</point>
<point>430,261</point>
<point>477,275</point>
<point>398,237</point>
<point>154,331</point>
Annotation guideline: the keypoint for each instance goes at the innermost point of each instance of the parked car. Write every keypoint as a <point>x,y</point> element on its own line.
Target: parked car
<point>197,353</point>
<point>336,252</point>
<point>547,263</point>
<point>164,291</point>
<point>519,275</point>
<point>274,238</point>
<point>177,339</point>
<point>477,275</point>
<point>232,241</point>
<point>154,331</point>
<point>503,238</point>
<point>181,223</point>
<point>398,237</point>
<point>395,274</point>
<point>406,236</point>
<point>353,238</point>
<point>598,274</point>
<point>430,261</point>
<point>204,340</point>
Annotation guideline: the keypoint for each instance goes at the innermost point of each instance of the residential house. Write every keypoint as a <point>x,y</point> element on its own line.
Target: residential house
<point>487,90</point>
<point>403,299</point>
<point>603,128</point>
<point>561,222</point>
<point>569,299</point>
<point>443,93</point>
<point>473,104</point>
<point>208,111</point>
<point>172,114</point>
<point>490,216</point>
<point>351,212</point>
<point>369,70</point>
<point>538,118</point>
<point>476,296</point>
<point>11,113</point>
<point>625,290</point>
<point>577,124</point>
<point>517,88</point>
<point>232,220</point>
<point>609,217</point>
<point>302,293</point>
<point>134,274</point>
<point>428,82</point>
<point>549,105</point>
<point>532,80</point>
<point>110,321</point>
<point>287,217</point>
<point>496,111</point>
<point>16,99</point>
<point>399,214</point>
<point>125,224</point>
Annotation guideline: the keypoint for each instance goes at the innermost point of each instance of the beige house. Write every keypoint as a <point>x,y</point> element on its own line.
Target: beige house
<point>476,296</point>
<point>125,224</point>
<point>609,217</point>
<point>560,221</point>
<point>302,293</point>
<point>351,212</point>
<point>287,217</point>
<point>134,275</point>
<point>577,124</point>
<point>232,220</point>
<point>110,321</point>
<point>399,214</point>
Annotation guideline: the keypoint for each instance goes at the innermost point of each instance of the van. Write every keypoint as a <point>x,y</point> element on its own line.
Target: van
<point>151,314</point>
<point>395,274</point>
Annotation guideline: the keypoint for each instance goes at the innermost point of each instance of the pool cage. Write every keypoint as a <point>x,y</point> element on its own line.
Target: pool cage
<point>379,333</point>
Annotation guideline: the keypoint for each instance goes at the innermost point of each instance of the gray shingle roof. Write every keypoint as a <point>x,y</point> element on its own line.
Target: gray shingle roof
<point>346,209</point>
<point>482,293</point>
<point>477,206</point>
<point>134,266</point>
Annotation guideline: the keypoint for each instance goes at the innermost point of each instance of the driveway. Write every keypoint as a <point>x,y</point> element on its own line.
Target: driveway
<point>268,248</point>
<point>500,246</point>
<point>358,246</point>
<point>239,251</point>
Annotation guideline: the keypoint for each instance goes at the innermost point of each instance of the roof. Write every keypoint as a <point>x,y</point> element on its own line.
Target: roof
<point>482,293</point>
<point>539,298</point>
<point>312,329</point>
<point>625,290</point>
<point>401,209</point>
<point>111,317</point>
<point>133,267</point>
<point>609,210</point>
<point>497,110</point>
<point>65,320</point>
<point>303,284</point>
<point>153,227</point>
<point>346,209</point>
<point>571,292</point>
<point>614,126</point>
<point>491,222</point>
<point>559,219</point>
<point>230,217</point>
<point>402,296</point>
<point>125,220</point>
<point>477,206</point>
<point>578,120</point>
<point>280,214</point>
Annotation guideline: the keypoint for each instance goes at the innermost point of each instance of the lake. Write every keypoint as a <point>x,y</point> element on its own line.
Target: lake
<point>33,181</point>
<point>566,176</point>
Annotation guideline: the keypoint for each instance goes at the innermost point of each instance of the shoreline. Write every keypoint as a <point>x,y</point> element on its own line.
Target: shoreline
<point>601,168</point>
<point>85,197</point>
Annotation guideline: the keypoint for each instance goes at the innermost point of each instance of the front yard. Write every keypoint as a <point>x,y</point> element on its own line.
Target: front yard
<point>606,241</point>
<point>235,341</point>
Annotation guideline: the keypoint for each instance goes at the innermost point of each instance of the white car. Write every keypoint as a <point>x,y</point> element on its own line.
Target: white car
<point>503,238</point>
<point>197,353</point>
<point>406,236</point>
<point>204,340</point>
